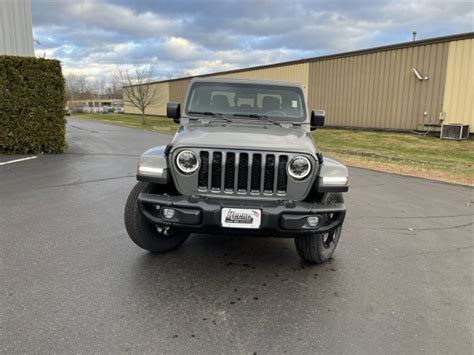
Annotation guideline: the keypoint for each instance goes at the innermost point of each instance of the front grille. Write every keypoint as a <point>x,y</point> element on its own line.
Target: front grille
<point>243,172</point>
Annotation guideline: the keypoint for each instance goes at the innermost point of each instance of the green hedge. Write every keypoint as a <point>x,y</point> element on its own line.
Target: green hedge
<point>32,105</point>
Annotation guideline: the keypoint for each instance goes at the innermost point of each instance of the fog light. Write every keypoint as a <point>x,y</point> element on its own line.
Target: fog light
<point>168,213</point>
<point>313,221</point>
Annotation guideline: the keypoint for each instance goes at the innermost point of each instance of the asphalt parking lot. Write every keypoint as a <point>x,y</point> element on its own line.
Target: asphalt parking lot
<point>72,281</point>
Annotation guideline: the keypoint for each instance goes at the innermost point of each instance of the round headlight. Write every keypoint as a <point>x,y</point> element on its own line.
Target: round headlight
<point>187,162</point>
<point>299,167</point>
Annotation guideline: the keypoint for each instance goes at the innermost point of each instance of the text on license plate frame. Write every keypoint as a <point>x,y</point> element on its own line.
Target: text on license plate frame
<point>248,218</point>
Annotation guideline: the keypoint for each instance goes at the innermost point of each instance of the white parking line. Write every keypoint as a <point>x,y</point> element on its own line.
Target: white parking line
<point>18,160</point>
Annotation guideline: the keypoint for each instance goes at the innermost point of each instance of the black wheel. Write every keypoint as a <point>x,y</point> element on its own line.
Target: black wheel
<point>143,233</point>
<point>317,248</point>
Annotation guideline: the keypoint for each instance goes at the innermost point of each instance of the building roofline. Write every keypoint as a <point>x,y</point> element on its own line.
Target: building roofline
<point>423,42</point>
<point>245,81</point>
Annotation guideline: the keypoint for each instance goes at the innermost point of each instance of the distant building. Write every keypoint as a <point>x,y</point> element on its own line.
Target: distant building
<point>416,85</point>
<point>16,30</point>
<point>95,105</point>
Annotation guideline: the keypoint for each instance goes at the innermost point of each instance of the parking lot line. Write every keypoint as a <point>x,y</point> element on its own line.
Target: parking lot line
<point>18,160</point>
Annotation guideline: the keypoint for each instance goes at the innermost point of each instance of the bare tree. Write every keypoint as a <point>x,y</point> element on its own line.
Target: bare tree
<point>99,87</point>
<point>77,87</point>
<point>135,87</point>
<point>113,90</point>
<point>72,90</point>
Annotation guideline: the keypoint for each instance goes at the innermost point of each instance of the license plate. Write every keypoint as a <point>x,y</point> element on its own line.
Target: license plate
<point>241,218</point>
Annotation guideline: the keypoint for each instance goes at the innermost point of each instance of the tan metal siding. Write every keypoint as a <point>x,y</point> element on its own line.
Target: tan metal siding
<point>297,73</point>
<point>178,90</point>
<point>378,90</point>
<point>458,102</point>
<point>158,108</point>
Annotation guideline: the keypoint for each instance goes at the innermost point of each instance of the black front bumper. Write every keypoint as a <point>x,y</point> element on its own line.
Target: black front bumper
<point>203,215</point>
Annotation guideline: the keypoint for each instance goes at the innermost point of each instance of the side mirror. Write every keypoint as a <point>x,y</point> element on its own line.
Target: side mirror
<point>173,110</point>
<point>317,119</point>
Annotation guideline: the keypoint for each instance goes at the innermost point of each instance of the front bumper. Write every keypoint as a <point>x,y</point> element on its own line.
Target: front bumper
<point>203,215</point>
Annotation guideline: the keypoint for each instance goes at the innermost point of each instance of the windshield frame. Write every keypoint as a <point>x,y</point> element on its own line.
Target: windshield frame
<point>280,119</point>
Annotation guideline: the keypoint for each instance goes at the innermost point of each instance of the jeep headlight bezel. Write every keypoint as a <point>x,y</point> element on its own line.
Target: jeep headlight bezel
<point>192,166</point>
<point>304,172</point>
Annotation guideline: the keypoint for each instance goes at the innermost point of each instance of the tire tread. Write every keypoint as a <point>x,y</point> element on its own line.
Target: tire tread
<point>310,246</point>
<point>143,233</point>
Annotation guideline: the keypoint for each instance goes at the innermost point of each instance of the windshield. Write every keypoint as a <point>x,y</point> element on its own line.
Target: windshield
<point>240,100</point>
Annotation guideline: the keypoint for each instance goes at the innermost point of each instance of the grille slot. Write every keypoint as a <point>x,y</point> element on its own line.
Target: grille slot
<point>229,172</point>
<point>203,171</point>
<point>240,173</point>
<point>269,174</point>
<point>243,172</point>
<point>216,172</point>
<point>282,179</point>
<point>255,181</point>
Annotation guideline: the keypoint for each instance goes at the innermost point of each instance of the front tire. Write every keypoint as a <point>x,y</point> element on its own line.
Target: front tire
<point>145,234</point>
<point>317,248</point>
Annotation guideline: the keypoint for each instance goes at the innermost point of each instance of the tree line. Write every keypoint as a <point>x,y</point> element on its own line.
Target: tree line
<point>80,87</point>
<point>130,83</point>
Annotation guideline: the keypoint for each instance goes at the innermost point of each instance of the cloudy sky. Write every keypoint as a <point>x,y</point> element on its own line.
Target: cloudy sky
<point>186,37</point>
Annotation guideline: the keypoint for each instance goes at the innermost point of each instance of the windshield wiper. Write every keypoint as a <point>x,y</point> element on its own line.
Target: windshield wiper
<point>260,117</point>
<point>213,114</point>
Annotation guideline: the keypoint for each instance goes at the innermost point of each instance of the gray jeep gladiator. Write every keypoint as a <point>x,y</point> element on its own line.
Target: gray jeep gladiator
<point>241,162</point>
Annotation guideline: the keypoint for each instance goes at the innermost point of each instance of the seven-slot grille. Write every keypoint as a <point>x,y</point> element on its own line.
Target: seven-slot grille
<point>243,172</point>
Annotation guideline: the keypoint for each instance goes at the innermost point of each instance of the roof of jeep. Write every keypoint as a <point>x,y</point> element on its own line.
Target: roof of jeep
<point>246,81</point>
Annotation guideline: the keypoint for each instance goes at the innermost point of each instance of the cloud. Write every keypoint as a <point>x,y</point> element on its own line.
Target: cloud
<point>193,37</point>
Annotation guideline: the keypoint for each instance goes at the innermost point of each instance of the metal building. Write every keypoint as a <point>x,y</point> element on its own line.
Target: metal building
<point>16,30</point>
<point>407,86</point>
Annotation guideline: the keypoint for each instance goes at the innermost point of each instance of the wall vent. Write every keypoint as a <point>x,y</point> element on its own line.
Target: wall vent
<point>457,131</point>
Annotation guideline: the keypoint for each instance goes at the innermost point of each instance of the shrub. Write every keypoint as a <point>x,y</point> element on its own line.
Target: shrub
<point>32,115</point>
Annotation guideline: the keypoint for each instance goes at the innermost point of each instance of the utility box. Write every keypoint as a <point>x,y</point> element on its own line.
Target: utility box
<point>457,131</point>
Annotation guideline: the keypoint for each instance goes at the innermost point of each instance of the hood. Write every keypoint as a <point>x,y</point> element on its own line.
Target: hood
<point>251,137</point>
